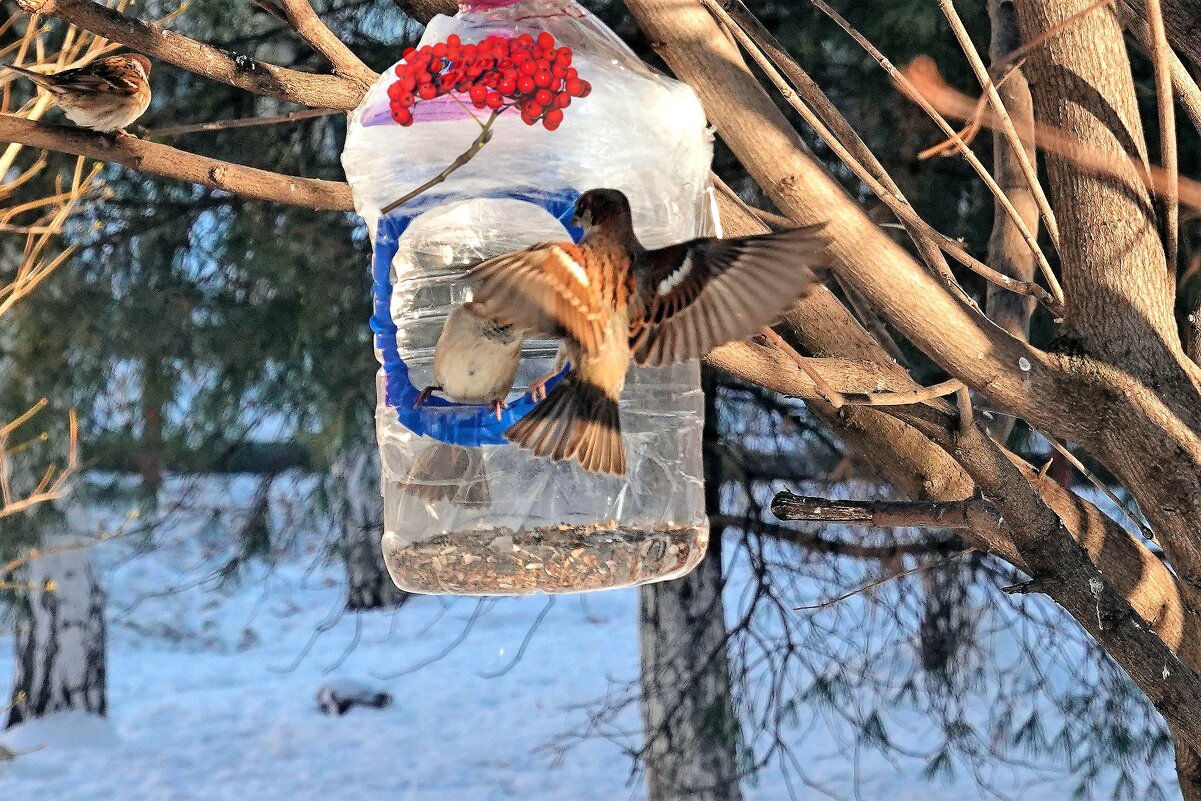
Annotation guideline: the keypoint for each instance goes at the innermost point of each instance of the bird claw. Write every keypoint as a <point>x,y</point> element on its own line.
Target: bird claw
<point>424,395</point>
<point>498,404</point>
<point>537,389</point>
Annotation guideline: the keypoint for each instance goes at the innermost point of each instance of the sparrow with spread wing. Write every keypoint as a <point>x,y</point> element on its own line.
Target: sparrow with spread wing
<point>105,96</point>
<point>611,300</point>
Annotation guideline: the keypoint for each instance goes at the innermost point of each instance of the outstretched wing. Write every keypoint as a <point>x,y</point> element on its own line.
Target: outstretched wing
<point>547,288</point>
<point>698,295</point>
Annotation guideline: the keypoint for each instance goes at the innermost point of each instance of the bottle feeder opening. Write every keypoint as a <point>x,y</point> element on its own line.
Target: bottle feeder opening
<point>454,423</point>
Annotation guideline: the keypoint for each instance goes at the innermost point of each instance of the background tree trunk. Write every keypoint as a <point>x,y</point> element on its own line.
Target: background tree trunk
<point>688,714</point>
<point>60,633</point>
<point>1007,251</point>
<point>359,514</point>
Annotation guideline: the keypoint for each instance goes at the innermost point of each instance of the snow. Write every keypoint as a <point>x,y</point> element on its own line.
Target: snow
<point>212,687</point>
<point>60,732</point>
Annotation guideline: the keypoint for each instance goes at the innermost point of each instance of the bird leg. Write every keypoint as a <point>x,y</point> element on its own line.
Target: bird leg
<point>424,395</point>
<point>537,389</point>
<point>497,405</point>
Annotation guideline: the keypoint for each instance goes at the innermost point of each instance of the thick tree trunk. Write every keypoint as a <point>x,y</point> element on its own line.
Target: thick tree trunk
<point>359,514</point>
<point>690,728</point>
<point>60,633</point>
<point>688,714</point>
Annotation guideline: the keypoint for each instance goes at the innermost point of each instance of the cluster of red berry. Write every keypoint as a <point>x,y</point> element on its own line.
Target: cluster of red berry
<point>498,73</point>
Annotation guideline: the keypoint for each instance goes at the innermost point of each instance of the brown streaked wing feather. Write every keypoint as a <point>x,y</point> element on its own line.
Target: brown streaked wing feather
<point>699,295</point>
<point>537,289</point>
<point>108,76</point>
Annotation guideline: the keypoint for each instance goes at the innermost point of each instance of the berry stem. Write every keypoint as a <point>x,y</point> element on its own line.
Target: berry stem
<point>464,157</point>
<point>454,96</point>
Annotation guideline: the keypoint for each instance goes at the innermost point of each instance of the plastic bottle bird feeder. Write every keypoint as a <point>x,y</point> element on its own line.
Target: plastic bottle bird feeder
<point>465,512</point>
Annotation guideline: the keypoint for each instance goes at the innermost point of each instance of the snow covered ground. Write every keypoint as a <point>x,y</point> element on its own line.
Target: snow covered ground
<point>212,690</point>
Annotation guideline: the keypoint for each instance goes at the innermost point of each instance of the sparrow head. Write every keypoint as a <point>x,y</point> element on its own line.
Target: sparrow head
<point>603,207</point>
<point>141,61</point>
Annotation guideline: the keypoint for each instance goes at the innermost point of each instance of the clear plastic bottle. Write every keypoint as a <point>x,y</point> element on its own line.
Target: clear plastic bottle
<point>465,512</point>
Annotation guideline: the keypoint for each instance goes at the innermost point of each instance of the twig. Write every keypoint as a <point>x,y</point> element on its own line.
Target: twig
<point>247,182</point>
<point>907,398</point>
<point>946,560</point>
<point>777,221</point>
<point>1129,513</point>
<point>1001,71</point>
<point>832,547</point>
<point>244,72</point>
<point>821,115</point>
<point>907,88</point>
<point>525,642</point>
<point>1187,91</point>
<point>467,155</point>
<point>34,554</point>
<point>1002,114</point>
<point>966,420</point>
<point>1170,201</point>
<point>862,162</point>
<point>827,393</point>
<point>241,122</point>
<point>925,78</point>
<point>50,487</point>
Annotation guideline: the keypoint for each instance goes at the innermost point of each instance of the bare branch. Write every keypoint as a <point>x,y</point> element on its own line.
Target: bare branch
<point>303,88</point>
<point>982,171</point>
<point>1006,251</point>
<point>827,393</point>
<point>53,482</point>
<point>825,119</point>
<point>967,515</point>
<point>1160,57</point>
<point>871,585</point>
<point>242,122</point>
<point>1007,125</point>
<point>824,545</point>
<point>831,126</point>
<point>1187,91</point>
<point>302,17</point>
<point>247,182</point>
<point>425,10</point>
<point>925,79</point>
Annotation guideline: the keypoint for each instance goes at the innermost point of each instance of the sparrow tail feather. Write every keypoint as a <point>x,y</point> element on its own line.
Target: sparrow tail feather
<point>36,77</point>
<point>453,473</point>
<point>576,421</point>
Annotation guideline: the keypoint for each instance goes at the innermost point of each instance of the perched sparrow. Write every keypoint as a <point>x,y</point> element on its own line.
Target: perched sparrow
<point>476,358</point>
<point>475,361</point>
<point>609,299</point>
<point>104,96</point>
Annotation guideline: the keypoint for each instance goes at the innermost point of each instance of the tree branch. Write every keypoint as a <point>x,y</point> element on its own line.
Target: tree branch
<point>967,153</point>
<point>247,182</point>
<point>1008,129</point>
<point>303,88</point>
<point>1161,57</point>
<point>967,515</point>
<point>825,545</point>
<point>1006,251</point>
<point>425,10</point>
<point>302,17</point>
<point>821,115</point>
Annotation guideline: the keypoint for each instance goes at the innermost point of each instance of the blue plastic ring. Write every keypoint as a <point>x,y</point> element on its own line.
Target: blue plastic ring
<point>466,424</point>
